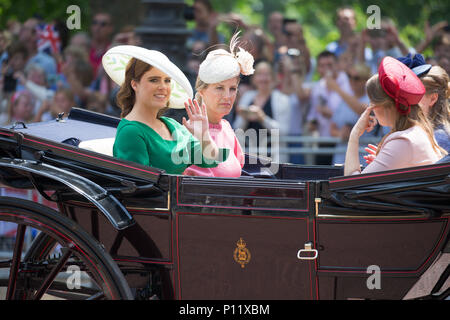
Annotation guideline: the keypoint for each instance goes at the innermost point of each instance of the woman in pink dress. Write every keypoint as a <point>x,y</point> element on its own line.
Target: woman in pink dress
<point>217,86</point>
<point>394,95</point>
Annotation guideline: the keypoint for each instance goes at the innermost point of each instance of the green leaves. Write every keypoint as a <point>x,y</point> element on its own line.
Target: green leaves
<point>318,17</point>
<point>48,9</point>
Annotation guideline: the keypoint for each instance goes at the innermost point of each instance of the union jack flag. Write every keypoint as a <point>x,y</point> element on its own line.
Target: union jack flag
<point>49,40</point>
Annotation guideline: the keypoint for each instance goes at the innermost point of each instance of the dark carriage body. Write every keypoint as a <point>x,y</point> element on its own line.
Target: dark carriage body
<point>298,233</point>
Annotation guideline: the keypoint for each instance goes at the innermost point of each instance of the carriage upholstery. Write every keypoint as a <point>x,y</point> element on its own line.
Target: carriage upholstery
<point>103,146</point>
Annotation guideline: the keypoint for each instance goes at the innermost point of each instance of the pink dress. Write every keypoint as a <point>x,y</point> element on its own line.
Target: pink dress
<point>402,149</point>
<point>224,137</point>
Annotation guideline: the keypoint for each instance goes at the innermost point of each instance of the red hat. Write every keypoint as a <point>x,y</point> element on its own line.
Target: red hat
<point>400,83</point>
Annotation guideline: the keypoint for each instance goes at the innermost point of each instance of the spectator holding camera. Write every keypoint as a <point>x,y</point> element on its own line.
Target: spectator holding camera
<point>101,32</point>
<point>206,21</point>
<point>62,101</point>
<point>299,90</point>
<point>29,37</point>
<point>395,46</point>
<point>351,107</point>
<point>373,48</point>
<point>260,47</point>
<point>432,32</point>
<point>275,26</point>
<point>20,108</point>
<point>378,43</point>
<point>347,48</point>
<point>346,23</point>
<point>264,108</point>
<point>295,40</point>
<point>17,59</point>
<point>324,101</point>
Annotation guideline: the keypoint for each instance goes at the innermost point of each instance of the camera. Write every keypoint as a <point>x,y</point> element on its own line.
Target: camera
<point>293,52</point>
<point>189,13</point>
<point>9,83</point>
<point>323,101</point>
<point>377,33</point>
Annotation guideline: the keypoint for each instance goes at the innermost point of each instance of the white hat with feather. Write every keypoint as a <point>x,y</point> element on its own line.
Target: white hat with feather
<point>221,65</point>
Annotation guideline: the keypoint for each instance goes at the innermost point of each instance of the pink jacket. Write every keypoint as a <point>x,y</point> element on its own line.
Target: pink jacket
<point>223,135</point>
<point>402,149</point>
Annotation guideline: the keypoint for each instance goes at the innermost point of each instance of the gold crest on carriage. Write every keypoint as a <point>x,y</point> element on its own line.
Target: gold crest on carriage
<point>241,253</point>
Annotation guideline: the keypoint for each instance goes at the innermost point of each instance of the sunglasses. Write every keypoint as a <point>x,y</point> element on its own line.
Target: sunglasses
<point>355,78</point>
<point>100,23</point>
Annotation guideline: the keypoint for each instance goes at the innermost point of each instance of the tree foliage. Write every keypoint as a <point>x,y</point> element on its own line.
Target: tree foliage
<point>48,10</point>
<point>318,17</point>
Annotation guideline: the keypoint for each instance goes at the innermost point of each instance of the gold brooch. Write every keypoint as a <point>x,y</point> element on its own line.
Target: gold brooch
<point>241,253</point>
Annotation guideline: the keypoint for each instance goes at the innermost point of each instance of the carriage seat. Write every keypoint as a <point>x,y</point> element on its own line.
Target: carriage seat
<point>103,146</point>
<point>444,159</point>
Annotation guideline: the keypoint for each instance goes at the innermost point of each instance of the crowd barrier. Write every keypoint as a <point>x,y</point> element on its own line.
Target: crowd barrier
<point>8,229</point>
<point>310,146</point>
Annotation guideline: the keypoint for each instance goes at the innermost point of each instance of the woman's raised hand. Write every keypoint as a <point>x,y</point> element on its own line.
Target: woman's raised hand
<point>198,124</point>
<point>366,122</point>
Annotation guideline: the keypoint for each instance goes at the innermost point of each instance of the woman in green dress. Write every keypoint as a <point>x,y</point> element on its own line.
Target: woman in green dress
<point>144,135</point>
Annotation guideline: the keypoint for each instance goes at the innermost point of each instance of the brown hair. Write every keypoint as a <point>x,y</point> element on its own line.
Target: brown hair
<point>84,72</point>
<point>437,81</point>
<point>96,102</point>
<point>126,97</point>
<point>18,47</point>
<point>67,92</point>
<point>206,3</point>
<point>76,52</point>
<point>403,121</point>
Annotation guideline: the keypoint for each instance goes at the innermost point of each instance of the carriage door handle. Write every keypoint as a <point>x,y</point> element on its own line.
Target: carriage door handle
<point>304,254</point>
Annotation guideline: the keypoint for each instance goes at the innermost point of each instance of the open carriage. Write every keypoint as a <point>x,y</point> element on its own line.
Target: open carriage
<point>135,232</point>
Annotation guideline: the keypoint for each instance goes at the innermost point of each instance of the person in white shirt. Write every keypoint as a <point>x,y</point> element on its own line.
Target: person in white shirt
<point>264,108</point>
<point>324,102</point>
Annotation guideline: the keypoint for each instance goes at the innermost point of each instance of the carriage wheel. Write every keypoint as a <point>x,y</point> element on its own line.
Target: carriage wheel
<point>79,267</point>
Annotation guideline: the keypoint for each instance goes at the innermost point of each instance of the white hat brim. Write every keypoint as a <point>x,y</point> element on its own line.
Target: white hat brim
<point>115,61</point>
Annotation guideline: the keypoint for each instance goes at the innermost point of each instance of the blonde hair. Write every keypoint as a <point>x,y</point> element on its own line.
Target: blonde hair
<point>437,81</point>
<point>68,93</point>
<point>403,121</point>
<point>199,85</point>
<point>362,70</point>
<point>15,101</point>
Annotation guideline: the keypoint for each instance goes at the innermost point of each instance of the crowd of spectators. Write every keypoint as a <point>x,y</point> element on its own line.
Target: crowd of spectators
<point>291,90</point>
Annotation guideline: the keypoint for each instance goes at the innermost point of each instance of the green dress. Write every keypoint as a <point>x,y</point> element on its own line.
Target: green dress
<point>136,141</point>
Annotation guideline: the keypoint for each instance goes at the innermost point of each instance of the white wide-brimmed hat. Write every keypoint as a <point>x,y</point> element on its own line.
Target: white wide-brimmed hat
<point>221,65</point>
<point>115,61</point>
